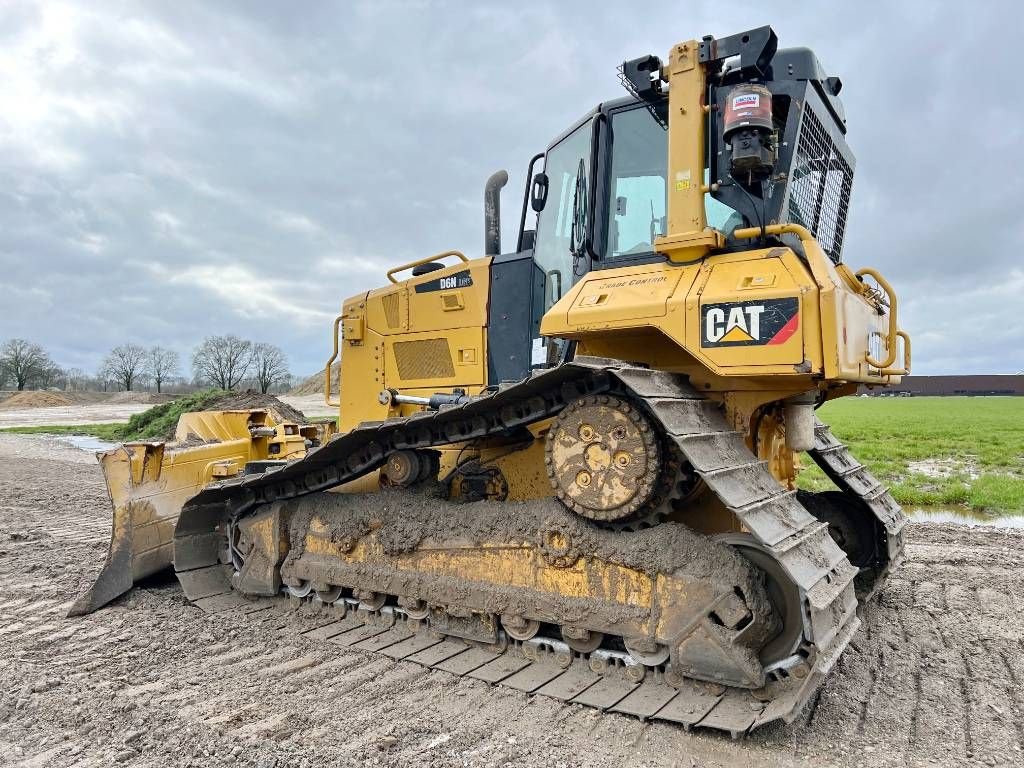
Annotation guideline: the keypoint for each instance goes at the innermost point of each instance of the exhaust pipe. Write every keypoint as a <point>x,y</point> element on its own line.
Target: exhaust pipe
<point>492,212</point>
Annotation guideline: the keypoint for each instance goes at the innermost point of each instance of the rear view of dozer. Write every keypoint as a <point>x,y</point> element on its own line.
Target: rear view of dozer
<point>571,468</point>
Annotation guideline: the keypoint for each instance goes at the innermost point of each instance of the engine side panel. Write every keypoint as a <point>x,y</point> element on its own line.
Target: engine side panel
<point>423,335</point>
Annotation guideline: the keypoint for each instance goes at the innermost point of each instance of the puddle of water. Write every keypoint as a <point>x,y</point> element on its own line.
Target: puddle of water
<point>87,442</point>
<point>963,516</point>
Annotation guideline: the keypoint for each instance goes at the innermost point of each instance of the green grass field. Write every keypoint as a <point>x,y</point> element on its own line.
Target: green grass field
<point>935,450</point>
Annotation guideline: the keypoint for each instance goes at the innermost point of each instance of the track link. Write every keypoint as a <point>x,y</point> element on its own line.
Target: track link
<point>797,542</point>
<point>854,480</point>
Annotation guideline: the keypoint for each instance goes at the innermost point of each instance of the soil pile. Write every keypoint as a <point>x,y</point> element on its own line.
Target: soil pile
<point>34,400</point>
<point>243,401</point>
<point>145,398</point>
<point>314,384</point>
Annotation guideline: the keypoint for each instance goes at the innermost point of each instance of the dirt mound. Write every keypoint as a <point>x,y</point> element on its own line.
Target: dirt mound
<point>34,400</point>
<point>145,398</point>
<point>242,401</point>
<point>314,385</point>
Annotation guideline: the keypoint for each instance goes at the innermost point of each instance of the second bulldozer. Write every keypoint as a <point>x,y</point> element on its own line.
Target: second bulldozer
<point>571,468</point>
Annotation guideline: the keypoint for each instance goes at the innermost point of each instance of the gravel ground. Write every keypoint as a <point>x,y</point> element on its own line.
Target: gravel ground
<point>933,677</point>
<point>106,413</point>
<point>102,413</point>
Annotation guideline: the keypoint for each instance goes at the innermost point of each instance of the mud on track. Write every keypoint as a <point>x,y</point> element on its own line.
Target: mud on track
<point>933,678</point>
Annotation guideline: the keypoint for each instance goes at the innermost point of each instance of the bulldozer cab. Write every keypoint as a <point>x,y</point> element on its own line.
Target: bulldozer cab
<point>601,200</point>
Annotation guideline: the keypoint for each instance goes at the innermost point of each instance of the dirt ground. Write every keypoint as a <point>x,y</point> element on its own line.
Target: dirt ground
<point>100,413</point>
<point>311,405</point>
<point>932,678</point>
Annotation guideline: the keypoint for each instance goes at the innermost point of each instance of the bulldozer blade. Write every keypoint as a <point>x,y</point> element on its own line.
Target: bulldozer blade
<point>115,578</point>
<point>148,483</point>
<point>143,520</point>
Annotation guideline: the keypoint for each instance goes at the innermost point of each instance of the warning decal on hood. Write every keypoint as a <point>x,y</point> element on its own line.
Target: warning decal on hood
<point>749,323</point>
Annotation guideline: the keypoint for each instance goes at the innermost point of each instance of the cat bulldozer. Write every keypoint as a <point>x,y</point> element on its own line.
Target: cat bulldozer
<point>570,469</point>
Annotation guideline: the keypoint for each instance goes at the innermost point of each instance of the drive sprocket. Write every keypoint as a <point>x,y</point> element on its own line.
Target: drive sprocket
<point>603,458</point>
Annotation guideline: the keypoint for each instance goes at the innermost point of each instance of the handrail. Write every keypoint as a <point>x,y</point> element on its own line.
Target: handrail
<point>905,370</point>
<point>748,233</point>
<point>893,329</point>
<point>330,363</point>
<point>424,260</point>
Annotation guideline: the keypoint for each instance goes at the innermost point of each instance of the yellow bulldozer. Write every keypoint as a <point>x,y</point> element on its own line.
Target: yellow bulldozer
<point>570,468</point>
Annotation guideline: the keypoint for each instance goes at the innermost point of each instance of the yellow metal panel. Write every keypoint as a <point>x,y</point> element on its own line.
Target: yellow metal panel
<point>609,298</point>
<point>621,298</point>
<point>362,379</point>
<point>429,359</point>
<point>732,313</point>
<point>454,297</point>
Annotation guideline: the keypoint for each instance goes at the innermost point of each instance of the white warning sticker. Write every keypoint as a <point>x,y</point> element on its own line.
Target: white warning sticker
<point>538,353</point>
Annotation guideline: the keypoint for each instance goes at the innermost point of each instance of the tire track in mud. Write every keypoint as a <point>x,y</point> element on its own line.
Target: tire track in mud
<point>154,681</point>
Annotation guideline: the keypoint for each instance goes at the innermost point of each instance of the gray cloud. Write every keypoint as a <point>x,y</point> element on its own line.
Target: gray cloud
<point>173,170</point>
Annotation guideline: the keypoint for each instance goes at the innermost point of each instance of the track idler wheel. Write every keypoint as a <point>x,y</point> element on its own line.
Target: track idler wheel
<point>647,652</point>
<point>850,525</point>
<point>603,458</point>
<point>783,594</point>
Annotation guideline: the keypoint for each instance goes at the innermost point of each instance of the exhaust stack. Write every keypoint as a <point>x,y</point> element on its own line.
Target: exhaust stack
<point>492,212</point>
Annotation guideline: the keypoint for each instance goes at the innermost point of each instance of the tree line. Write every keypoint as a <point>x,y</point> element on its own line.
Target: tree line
<point>226,362</point>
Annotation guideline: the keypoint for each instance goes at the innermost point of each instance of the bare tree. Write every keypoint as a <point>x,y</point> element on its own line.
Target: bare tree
<point>124,364</point>
<point>269,366</point>
<point>222,360</point>
<point>25,363</point>
<point>75,379</point>
<point>161,364</point>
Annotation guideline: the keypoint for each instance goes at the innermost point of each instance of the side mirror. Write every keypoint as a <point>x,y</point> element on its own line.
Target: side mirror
<point>539,192</point>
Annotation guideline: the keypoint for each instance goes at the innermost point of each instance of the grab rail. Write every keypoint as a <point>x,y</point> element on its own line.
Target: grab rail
<point>905,370</point>
<point>330,363</point>
<point>893,329</point>
<point>424,260</point>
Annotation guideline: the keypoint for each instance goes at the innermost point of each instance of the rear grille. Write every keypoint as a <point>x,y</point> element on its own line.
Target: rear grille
<point>427,359</point>
<point>819,188</point>
<point>390,303</point>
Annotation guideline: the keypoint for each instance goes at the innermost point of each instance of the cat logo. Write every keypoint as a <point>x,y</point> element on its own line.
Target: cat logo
<point>749,323</point>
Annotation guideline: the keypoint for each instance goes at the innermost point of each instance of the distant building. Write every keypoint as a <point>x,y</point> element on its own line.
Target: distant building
<point>986,384</point>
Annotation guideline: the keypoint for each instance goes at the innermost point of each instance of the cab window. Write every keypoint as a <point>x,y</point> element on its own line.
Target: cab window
<point>637,189</point>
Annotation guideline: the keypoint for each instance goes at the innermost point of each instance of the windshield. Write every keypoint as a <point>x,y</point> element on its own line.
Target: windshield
<point>636,214</point>
<point>719,215</point>
<point>638,190</point>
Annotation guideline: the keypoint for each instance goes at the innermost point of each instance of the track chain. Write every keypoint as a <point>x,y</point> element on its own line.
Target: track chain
<point>798,542</point>
<point>852,478</point>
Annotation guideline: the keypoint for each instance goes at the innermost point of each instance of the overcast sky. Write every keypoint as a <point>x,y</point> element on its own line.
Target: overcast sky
<point>173,169</point>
